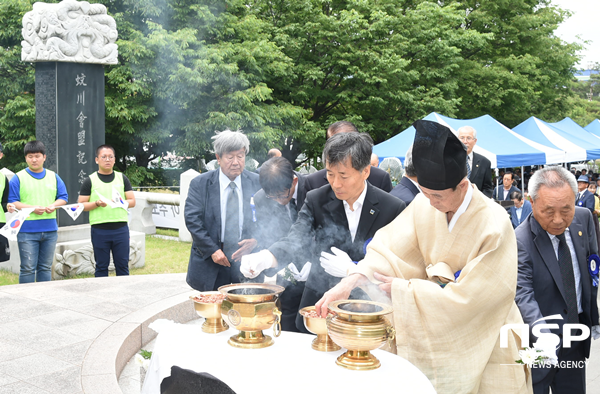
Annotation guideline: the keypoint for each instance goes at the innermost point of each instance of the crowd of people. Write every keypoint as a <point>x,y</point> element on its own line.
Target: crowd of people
<point>44,191</point>
<point>439,247</point>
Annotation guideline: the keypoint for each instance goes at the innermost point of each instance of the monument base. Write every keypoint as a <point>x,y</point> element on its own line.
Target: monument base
<point>74,254</point>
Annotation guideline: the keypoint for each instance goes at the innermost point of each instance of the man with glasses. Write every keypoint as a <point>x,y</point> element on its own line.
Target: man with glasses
<point>110,232</point>
<point>219,216</point>
<point>479,169</point>
<point>277,206</point>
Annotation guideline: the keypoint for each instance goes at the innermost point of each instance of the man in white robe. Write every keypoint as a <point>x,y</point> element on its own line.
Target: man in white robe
<point>449,265</point>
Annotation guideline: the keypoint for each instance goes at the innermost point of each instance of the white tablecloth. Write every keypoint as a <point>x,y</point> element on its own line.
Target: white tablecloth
<point>289,366</point>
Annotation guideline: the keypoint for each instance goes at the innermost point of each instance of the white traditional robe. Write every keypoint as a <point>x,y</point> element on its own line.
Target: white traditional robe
<point>452,334</point>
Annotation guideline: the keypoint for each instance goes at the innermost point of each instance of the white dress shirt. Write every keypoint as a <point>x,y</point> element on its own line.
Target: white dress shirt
<point>576,272</point>
<point>463,207</point>
<point>224,182</point>
<point>354,216</point>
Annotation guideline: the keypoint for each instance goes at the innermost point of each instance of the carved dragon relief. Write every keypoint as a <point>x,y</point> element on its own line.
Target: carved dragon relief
<point>70,31</point>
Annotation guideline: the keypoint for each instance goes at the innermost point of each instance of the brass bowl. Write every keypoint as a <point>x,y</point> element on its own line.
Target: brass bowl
<point>214,323</point>
<point>359,326</point>
<point>318,326</point>
<point>250,308</point>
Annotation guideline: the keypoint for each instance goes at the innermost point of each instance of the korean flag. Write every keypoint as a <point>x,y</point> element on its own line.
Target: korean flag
<point>12,227</point>
<point>74,210</point>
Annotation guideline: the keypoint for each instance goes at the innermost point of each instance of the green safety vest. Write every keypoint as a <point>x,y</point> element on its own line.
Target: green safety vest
<point>2,184</point>
<point>38,192</point>
<point>107,214</point>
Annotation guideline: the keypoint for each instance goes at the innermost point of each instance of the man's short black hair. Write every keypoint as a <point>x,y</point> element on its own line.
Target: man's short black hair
<point>512,175</point>
<point>343,126</point>
<point>516,196</point>
<point>355,146</point>
<point>105,146</point>
<point>34,147</point>
<point>276,176</point>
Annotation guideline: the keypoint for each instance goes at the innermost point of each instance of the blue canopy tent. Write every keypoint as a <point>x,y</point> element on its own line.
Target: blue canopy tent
<point>571,127</point>
<point>498,143</point>
<point>594,127</point>
<point>575,148</point>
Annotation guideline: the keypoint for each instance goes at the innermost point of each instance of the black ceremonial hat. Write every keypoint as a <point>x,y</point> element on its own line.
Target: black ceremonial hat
<point>440,159</point>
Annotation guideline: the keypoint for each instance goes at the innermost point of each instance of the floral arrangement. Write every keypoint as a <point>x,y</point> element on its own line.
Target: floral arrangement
<point>540,353</point>
<point>143,359</point>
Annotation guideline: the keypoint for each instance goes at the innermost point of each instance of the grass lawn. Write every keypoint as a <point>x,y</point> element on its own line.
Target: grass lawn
<point>162,257</point>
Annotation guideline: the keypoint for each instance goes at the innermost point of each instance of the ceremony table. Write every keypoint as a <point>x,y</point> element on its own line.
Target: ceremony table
<point>289,366</point>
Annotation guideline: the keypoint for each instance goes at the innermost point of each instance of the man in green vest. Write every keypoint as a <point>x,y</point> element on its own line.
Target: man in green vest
<point>42,189</point>
<point>6,207</point>
<point>110,231</point>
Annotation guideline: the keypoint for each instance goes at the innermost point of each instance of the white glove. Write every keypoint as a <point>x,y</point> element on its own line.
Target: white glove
<point>336,264</point>
<point>255,263</point>
<point>301,276</point>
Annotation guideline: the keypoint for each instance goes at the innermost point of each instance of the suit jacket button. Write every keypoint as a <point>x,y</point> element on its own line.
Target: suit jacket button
<point>565,311</point>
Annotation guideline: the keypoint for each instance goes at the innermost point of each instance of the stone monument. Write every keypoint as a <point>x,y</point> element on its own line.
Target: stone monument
<point>70,42</point>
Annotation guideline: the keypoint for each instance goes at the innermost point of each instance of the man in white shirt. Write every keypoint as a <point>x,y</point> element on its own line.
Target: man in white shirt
<point>336,221</point>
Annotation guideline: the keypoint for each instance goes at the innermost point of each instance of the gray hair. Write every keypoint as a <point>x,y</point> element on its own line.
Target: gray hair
<point>229,141</point>
<point>467,128</point>
<point>409,167</point>
<point>355,146</point>
<point>552,177</point>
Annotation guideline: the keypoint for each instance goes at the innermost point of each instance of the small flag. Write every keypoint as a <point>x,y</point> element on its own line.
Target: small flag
<point>105,200</point>
<point>74,210</point>
<point>118,200</point>
<point>12,228</point>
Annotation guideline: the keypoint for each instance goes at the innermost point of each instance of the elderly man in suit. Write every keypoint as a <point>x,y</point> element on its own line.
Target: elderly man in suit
<point>554,276</point>
<point>340,217</point>
<point>521,209</point>
<point>585,198</point>
<point>219,217</point>
<point>502,193</point>
<point>377,177</point>
<point>479,168</point>
<point>408,187</point>
<point>277,206</point>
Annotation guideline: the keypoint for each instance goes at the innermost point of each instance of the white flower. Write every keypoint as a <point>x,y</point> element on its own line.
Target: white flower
<point>529,356</point>
<point>546,349</point>
<point>146,363</point>
<point>139,360</point>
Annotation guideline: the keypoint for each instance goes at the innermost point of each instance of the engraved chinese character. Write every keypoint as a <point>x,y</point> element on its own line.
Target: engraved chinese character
<point>81,138</point>
<point>81,158</point>
<point>82,176</point>
<point>80,80</point>
<point>81,98</point>
<point>81,117</point>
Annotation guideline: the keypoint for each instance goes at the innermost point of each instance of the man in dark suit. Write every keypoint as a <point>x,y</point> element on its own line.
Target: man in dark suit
<point>585,198</point>
<point>408,187</point>
<point>277,206</point>
<point>219,217</point>
<point>479,167</point>
<point>377,177</point>
<point>340,218</point>
<point>521,209</point>
<point>502,193</point>
<point>554,244</point>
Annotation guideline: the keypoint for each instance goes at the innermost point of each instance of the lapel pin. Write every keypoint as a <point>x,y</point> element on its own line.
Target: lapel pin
<point>477,165</point>
<point>372,212</point>
<point>580,233</point>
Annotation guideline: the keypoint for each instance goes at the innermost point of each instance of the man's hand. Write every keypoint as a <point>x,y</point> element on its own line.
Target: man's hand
<point>10,207</point>
<point>246,247</point>
<point>50,209</point>
<point>255,263</point>
<point>100,203</point>
<point>339,292</point>
<point>386,283</point>
<point>220,258</point>
<point>39,210</point>
<point>336,264</point>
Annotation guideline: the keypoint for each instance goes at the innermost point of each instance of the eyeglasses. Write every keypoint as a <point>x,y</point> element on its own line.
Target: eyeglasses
<point>466,138</point>
<point>280,196</point>
<point>107,158</point>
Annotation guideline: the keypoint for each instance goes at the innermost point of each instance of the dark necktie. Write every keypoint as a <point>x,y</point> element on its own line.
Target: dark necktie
<point>293,210</point>
<point>468,168</point>
<point>232,222</point>
<point>565,264</point>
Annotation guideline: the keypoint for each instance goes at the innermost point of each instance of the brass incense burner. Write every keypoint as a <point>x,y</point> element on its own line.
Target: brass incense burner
<point>250,307</point>
<point>359,326</point>
<point>318,326</point>
<point>214,323</point>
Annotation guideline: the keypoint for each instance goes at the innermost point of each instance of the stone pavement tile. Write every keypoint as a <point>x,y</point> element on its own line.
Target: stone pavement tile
<point>5,380</point>
<point>100,384</point>
<point>62,318</point>
<point>65,381</point>
<point>88,330</point>
<point>21,388</point>
<point>30,366</point>
<point>130,385</point>
<point>73,353</point>
<point>24,308</point>
<point>9,351</point>
<point>104,310</point>
<point>75,302</point>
